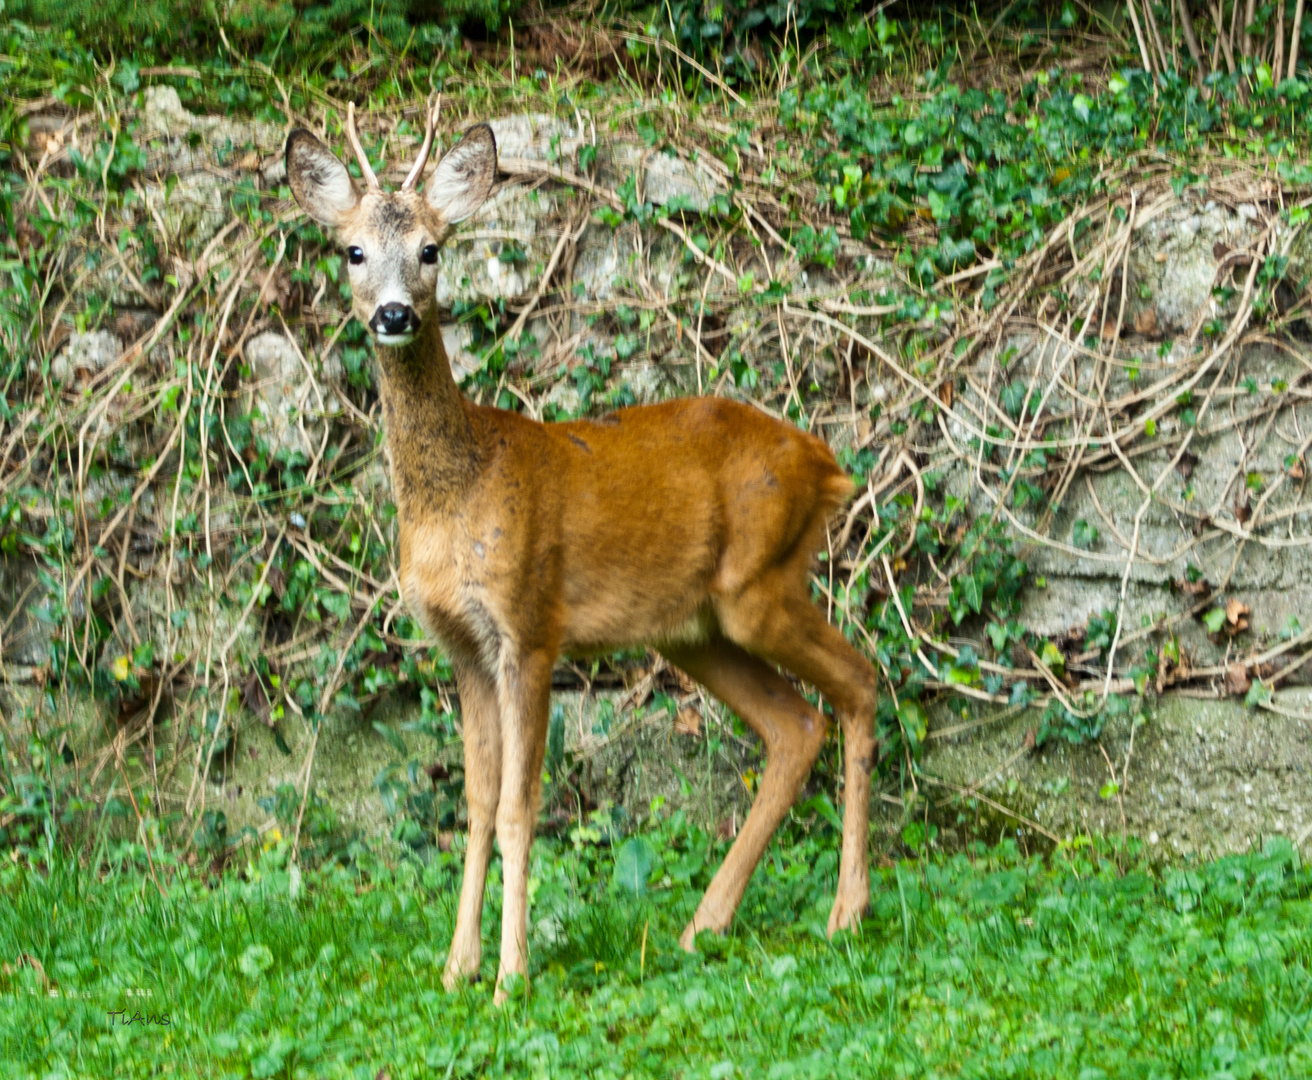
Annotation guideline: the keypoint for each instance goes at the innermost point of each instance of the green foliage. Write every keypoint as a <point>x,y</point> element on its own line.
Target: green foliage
<point>1084,535</point>
<point>968,965</point>
<point>990,573</point>
<point>1086,721</point>
<point>722,30</point>
<point>1101,630</point>
<point>1015,398</point>
<point>293,30</point>
<point>994,173</point>
<point>633,864</point>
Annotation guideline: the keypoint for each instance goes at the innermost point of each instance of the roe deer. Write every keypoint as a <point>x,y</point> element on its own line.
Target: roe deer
<point>689,526</point>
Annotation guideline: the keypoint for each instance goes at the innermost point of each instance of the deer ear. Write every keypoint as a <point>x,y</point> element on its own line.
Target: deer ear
<point>318,180</point>
<point>463,178</point>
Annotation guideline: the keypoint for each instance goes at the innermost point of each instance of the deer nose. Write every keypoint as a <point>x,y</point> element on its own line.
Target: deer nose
<point>393,318</point>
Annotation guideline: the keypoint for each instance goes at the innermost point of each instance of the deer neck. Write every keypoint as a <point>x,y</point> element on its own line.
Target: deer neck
<point>430,442</point>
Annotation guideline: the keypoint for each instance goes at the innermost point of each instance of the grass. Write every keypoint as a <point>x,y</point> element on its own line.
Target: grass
<point>990,964</point>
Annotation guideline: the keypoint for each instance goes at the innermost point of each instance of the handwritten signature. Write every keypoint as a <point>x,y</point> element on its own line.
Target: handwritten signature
<point>148,1019</point>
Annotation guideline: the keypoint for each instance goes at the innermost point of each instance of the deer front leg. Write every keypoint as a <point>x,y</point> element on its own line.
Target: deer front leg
<point>524,690</point>
<point>480,716</point>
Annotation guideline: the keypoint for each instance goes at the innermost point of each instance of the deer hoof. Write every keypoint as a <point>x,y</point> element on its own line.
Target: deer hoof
<point>510,984</point>
<point>688,939</point>
<point>846,915</point>
<point>457,973</point>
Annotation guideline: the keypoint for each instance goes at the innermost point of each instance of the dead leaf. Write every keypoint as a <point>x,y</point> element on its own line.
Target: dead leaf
<point>688,722</point>
<point>1243,511</point>
<point>60,334</point>
<point>184,272</point>
<point>256,697</point>
<point>46,142</point>
<point>727,829</point>
<point>1160,257</point>
<point>1109,330</point>
<point>1185,466</point>
<point>687,684</point>
<point>1145,323</point>
<point>1236,679</point>
<point>437,772</point>
<point>1220,250</point>
<point>1236,612</point>
<point>445,840</point>
<point>1031,740</point>
<point>275,286</point>
<point>277,581</point>
<point>1201,587</point>
<point>130,325</point>
<point>250,161</point>
<point>1295,470</point>
<point>945,393</point>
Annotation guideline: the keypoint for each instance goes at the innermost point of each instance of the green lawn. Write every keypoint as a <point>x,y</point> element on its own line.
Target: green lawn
<point>986,966</point>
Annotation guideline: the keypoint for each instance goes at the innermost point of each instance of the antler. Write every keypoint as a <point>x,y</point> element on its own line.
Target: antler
<point>353,137</point>
<point>430,127</point>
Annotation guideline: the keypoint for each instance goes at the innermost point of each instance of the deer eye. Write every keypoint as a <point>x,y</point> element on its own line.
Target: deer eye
<point>356,255</point>
<point>429,254</point>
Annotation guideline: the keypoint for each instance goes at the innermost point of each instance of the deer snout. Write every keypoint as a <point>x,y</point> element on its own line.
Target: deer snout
<point>394,320</point>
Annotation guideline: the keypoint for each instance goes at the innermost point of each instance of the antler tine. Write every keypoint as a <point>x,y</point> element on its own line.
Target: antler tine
<point>429,128</point>
<point>353,137</point>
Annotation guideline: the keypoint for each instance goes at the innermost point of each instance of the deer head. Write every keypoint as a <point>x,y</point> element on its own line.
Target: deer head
<point>391,238</point>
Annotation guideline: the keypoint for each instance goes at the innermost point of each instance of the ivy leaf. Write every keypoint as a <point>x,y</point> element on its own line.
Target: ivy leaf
<point>961,675</point>
<point>397,743</point>
<point>339,604</point>
<point>1214,620</point>
<point>1084,535</point>
<point>997,633</point>
<point>941,207</point>
<point>915,836</point>
<point>972,593</point>
<point>1013,398</point>
<point>1259,693</point>
<point>1053,658</point>
<point>914,720</point>
<point>633,865</point>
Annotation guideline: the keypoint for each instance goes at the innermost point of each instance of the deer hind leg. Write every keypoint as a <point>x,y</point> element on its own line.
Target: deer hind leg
<point>793,633</point>
<point>793,733</point>
<point>524,692</point>
<point>481,719</point>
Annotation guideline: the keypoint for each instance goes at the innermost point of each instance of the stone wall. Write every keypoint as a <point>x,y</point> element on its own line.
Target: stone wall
<point>1207,773</point>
